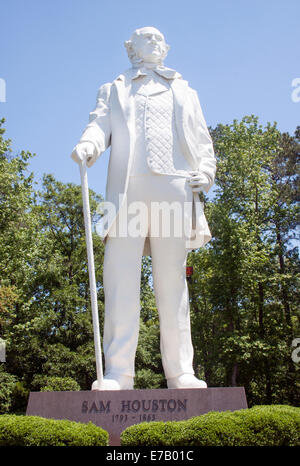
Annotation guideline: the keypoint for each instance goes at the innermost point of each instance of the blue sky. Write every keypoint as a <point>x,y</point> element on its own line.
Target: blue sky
<point>240,56</point>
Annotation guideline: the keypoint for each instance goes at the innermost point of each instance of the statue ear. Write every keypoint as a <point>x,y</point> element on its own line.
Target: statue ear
<point>167,48</point>
<point>131,52</point>
<point>129,48</point>
<point>128,45</point>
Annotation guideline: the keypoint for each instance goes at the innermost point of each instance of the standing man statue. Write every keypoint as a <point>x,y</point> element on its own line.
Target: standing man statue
<point>161,152</point>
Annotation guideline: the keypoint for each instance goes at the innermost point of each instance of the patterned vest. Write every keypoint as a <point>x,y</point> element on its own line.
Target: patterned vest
<point>157,147</point>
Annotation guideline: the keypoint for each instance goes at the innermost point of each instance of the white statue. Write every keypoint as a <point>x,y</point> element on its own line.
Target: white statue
<point>161,152</point>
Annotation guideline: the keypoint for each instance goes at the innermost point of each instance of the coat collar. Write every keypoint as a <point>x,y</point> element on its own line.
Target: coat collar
<point>163,71</point>
<point>134,73</point>
<point>123,87</point>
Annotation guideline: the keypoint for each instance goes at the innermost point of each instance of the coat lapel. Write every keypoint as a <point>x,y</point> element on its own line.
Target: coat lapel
<point>184,112</point>
<point>125,98</point>
<point>123,105</point>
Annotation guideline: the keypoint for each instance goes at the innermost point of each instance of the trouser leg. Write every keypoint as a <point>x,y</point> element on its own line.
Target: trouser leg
<point>169,278</point>
<point>121,278</point>
<point>171,292</point>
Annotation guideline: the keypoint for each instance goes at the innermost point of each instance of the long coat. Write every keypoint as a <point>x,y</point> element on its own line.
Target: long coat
<point>112,124</point>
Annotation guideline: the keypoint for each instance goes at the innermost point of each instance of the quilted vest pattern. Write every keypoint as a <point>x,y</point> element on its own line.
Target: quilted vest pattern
<point>157,147</point>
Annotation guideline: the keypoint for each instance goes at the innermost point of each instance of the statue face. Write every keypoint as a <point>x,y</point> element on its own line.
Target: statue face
<point>149,44</point>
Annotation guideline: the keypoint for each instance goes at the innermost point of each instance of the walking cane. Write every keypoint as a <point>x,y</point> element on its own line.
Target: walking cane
<point>91,267</point>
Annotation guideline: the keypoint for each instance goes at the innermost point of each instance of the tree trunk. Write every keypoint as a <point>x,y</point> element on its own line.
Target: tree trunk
<point>234,375</point>
<point>261,309</point>
<point>284,294</point>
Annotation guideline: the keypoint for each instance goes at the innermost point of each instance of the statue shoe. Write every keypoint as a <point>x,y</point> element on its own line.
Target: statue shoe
<point>122,382</point>
<point>186,381</point>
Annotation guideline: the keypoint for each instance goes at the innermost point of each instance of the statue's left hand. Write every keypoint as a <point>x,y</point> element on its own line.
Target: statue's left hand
<point>197,181</point>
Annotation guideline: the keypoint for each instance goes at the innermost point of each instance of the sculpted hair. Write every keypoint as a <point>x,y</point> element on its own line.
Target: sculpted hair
<point>129,45</point>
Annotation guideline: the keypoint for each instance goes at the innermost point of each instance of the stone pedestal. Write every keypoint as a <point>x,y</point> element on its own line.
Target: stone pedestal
<point>116,410</point>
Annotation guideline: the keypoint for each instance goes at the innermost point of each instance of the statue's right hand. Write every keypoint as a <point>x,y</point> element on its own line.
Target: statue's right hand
<point>83,152</point>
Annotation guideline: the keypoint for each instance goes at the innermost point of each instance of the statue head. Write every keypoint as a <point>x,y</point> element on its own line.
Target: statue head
<point>147,45</point>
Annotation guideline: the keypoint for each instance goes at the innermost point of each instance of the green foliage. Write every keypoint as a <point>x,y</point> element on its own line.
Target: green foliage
<point>17,223</point>
<point>8,299</point>
<point>149,372</point>
<point>7,385</point>
<point>244,291</point>
<point>46,319</point>
<point>53,384</point>
<point>147,379</point>
<point>37,431</point>
<point>258,426</point>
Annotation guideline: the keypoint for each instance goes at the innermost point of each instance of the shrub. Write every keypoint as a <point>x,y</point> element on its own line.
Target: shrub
<point>38,431</point>
<point>259,426</point>
<point>7,384</point>
<point>46,383</point>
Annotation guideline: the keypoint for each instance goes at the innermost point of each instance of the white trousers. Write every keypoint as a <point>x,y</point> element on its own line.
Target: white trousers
<point>122,275</point>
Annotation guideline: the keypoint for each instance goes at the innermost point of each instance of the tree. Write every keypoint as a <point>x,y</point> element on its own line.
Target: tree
<point>240,314</point>
<point>60,328</point>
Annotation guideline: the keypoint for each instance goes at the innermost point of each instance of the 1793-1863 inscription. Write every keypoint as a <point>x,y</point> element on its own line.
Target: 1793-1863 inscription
<point>141,410</point>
